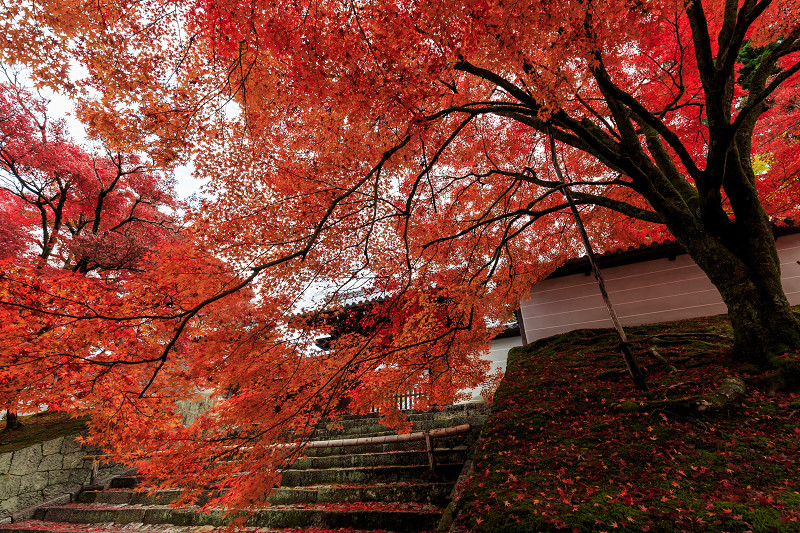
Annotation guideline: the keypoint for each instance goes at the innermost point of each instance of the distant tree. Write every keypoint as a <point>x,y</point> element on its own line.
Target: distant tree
<point>79,231</point>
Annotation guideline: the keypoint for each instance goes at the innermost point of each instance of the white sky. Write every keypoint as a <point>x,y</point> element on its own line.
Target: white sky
<point>62,107</point>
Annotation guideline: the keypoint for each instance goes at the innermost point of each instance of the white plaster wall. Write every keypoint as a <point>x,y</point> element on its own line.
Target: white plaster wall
<point>642,293</point>
<point>498,355</point>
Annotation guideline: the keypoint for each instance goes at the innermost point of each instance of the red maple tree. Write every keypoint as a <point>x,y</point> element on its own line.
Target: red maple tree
<point>403,147</point>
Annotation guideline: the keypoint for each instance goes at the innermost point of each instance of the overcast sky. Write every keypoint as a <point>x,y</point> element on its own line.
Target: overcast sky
<point>62,107</point>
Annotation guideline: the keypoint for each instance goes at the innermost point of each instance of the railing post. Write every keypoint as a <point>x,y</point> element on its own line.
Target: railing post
<point>95,470</point>
<point>429,447</point>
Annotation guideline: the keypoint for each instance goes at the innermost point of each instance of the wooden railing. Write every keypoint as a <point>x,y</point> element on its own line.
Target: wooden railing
<point>427,436</point>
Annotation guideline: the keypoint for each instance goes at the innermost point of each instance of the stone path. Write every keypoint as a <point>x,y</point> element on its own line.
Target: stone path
<point>382,487</point>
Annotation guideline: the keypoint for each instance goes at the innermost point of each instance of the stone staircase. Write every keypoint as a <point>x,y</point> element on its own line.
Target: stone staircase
<point>373,487</point>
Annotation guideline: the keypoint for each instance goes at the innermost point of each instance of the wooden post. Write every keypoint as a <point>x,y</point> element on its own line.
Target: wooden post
<point>429,447</point>
<point>624,346</point>
<point>95,470</point>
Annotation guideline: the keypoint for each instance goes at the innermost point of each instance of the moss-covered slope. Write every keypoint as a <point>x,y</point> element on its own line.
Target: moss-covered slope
<point>572,446</point>
<point>39,428</point>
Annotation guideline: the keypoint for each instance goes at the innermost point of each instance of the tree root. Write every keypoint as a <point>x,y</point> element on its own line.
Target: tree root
<point>701,335</point>
<point>785,378</point>
<point>730,391</point>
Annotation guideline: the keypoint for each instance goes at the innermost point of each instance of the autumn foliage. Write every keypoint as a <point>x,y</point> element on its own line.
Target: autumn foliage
<point>395,151</point>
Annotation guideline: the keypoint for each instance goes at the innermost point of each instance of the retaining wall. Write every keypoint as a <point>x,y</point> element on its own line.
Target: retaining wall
<point>44,471</point>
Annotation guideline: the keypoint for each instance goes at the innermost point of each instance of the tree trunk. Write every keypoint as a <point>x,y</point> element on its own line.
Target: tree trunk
<point>764,325</point>
<point>748,277</point>
<point>12,421</point>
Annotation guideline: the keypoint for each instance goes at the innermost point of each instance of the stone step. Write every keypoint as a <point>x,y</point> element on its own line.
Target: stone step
<point>370,475</point>
<point>373,428</point>
<point>418,420</point>
<point>430,415</point>
<point>353,433</point>
<point>380,459</point>
<point>39,526</point>
<point>380,516</point>
<point>466,439</point>
<point>124,482</point>
<point>135,497</point>
<point>401,467</point>
<point>433,493</point>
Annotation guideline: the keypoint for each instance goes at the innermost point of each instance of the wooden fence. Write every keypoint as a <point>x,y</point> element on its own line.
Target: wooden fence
<point>405,402</point>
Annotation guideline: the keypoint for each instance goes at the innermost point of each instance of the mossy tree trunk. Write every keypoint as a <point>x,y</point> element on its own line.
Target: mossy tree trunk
<point>12,421</point>
<point>749,282</point>
<point>735,247</point>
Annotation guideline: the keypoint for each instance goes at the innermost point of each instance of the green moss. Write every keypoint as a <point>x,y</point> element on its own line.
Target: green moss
<point>566,451</point>
<point>39,428</point>
<point>751,370</point>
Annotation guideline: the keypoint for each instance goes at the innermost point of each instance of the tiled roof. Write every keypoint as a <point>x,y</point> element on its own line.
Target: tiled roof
<point>621,256</point>
<point>646,252</point>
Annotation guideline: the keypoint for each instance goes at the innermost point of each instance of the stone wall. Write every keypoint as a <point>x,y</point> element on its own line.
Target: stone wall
<point>191,409</point>
<point>44,471</point>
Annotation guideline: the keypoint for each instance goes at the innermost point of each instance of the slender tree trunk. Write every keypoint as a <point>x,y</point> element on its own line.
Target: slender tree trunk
<point>12,421</point>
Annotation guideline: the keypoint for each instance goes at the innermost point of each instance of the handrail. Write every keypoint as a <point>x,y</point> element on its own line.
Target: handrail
<point>387,439</point>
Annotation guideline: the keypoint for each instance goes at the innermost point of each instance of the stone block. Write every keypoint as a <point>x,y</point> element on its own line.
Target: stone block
<point>52,446</point>
<point>9,505</point>
<point>79,476</point>
<point>51,462</point>
<point>26,499</point>
<point>69,445</point>
<point>33,482</point>
<point>60,492</point>
<point>75,460</point>
<point>58,477</point>
<point>5,462</point>
<point>9,486</point>
<point>26,461</point>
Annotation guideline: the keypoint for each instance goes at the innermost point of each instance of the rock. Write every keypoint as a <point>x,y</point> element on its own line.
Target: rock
<point>9,486</point>
<point>9,505</point>
<point>51,462</point>
<point>33,482</point>
<point>74,460</point>
<point>69,446</point>
<point>27,499</point>
<point>5,462</point>
<point>58,477</point>
<point>53,446</point>
<point>79,476</point>
<point>26,460</point>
